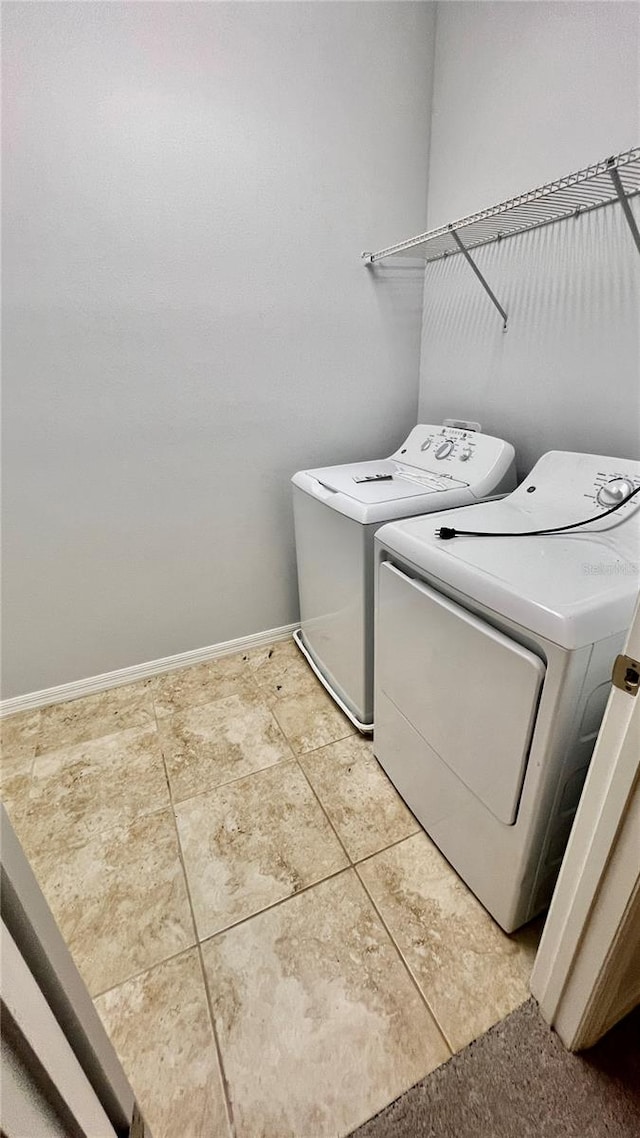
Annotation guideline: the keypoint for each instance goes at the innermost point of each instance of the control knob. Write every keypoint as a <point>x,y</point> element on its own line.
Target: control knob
<point>444,448</point>
<point>465,454</point>
<point>614,492</point>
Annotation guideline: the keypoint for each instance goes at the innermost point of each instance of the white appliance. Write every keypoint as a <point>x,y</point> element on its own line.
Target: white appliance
<point>337,511</point>
<point>493,665</point>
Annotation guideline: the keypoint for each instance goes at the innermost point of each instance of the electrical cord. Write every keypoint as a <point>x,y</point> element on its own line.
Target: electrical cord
<point>447,532</point>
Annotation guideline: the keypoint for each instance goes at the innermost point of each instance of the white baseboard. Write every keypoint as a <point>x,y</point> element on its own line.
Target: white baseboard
<point>131,675</point>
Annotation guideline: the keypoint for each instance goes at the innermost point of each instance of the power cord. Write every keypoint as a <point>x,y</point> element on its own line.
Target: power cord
<point>447,532</point>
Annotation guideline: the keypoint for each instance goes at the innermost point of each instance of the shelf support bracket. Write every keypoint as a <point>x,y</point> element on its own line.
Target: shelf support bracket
<point>624,202</point>
<point>492,296</point>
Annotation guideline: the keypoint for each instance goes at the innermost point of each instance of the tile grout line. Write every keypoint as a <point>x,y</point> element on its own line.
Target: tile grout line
<point>262,697</point>
<point>351,864</point>
<point>384,849</point>
<point>110,828</point>
<point>153,727</point>
<point>354,862</point>
<point>64,748</point>
<point>278,699</point>
<point>231,781</point>
<point>170,806</point>
<point>275,904</point>
<point>327,743</point>
<point>114,730</point>
<point>106,734</point>
<point>454,1051</point>
<point>322,807</point>
<point>407,967</point>
<point>216,1042</point>
<point>209,789</point>
<point>143,971</point>
<point>330,742</point>
<point>354,866</point>
<point>351,867</point>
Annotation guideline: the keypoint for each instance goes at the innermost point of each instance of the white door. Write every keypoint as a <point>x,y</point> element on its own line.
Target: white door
<point>60,1074</point>
<point>586,976</point>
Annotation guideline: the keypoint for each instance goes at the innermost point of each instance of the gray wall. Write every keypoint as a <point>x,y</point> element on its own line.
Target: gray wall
<point>524,93</point>
<point>187,190</point>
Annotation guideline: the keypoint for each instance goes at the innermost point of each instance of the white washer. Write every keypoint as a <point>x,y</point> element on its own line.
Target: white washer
<point>337,510</point>
<point>493,667</point>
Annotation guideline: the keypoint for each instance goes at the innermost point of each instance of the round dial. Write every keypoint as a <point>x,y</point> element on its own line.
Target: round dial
<point>465,454</point>
<point>426,444</point>
<point>444,448</point>
<point>614,492</point>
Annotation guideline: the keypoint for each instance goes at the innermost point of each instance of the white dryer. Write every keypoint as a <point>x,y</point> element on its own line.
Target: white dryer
<point>337,510</point>
<point>493,665</point>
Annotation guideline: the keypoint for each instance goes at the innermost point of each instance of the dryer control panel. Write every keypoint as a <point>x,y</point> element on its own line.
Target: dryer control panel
<point>573,481</point>
<point>612,490</point>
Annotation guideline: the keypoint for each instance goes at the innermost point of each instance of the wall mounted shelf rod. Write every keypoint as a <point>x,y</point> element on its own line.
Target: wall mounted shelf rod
<point>611,181</point>
<point>487,289</point>
<point>624,202</point>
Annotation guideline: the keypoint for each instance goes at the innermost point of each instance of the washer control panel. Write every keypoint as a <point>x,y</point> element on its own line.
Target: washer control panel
<point>444,449</point>
<point>440,443</point>
<point>452,453</point>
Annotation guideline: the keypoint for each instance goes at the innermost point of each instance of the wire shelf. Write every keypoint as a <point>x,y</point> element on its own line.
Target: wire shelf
<point>613,180</point>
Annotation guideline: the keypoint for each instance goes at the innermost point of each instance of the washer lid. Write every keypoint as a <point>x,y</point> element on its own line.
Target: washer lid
<point>382,481</point>
<point>358,491</point>
<point>574,588</point>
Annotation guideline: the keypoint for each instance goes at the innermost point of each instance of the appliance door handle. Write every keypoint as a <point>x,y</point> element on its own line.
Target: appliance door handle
<point>461,612</point>
<point>321,490</point>
<point>454,607</point>
<point>413,581</point>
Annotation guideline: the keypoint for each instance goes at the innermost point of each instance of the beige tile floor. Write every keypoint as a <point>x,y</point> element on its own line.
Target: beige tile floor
<point>274,946</point>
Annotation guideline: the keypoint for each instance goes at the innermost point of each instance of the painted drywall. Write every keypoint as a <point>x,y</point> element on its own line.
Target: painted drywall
<point>187,191</point>
<point>524,93</point>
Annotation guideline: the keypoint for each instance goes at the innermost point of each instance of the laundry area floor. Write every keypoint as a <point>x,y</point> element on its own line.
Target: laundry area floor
<point>275,947</point>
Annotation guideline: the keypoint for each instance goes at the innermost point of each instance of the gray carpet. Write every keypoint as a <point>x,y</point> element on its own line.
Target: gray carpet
<point>517,1081</point>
